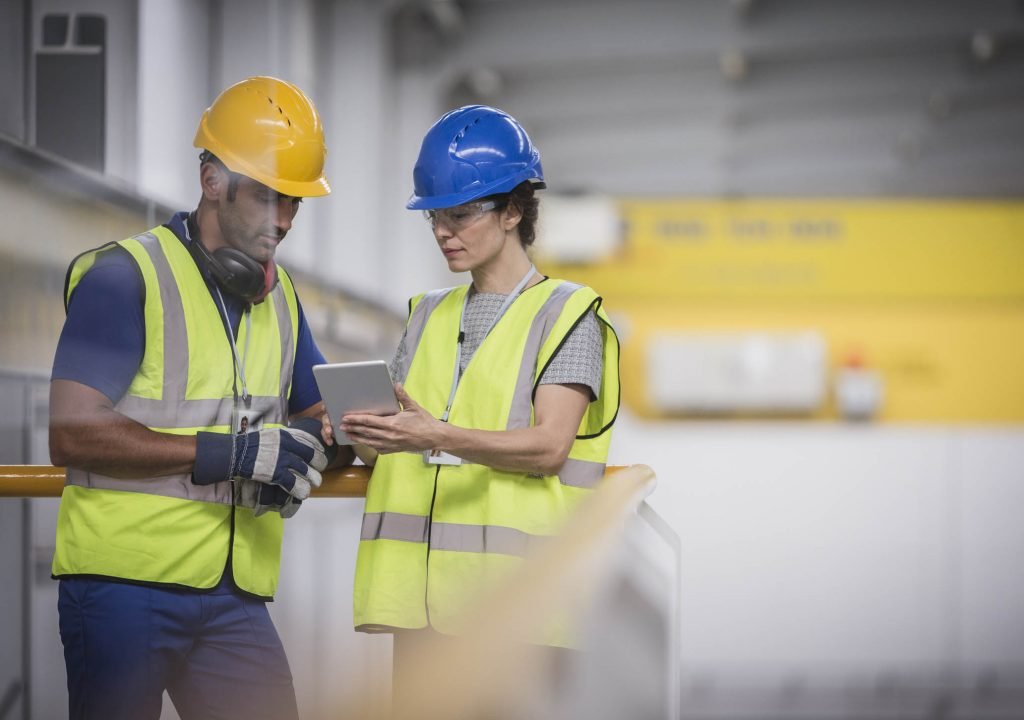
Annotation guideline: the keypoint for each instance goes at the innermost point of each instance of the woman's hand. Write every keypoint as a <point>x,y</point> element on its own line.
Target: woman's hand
<point>327,431</point>
<point>411,430</point>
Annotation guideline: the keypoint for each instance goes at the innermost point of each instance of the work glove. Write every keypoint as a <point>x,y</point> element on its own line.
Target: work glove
<point>263,497</point>
<point>273,469</point>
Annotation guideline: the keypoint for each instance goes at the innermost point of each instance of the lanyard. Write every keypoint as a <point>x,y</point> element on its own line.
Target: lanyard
<point>239,362</point>
<point>509,299</point>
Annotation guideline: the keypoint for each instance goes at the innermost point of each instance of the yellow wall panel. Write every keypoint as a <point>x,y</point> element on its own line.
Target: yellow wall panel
<point>824,249</point>
<point>931,293</point>
<point>960,364</point>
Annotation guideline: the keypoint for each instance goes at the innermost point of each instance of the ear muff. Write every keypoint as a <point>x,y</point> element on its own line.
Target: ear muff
<point>235,272</point>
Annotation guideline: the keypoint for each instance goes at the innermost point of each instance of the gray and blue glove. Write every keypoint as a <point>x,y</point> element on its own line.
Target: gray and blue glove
<point>274,469</point>
<point>262,497</point>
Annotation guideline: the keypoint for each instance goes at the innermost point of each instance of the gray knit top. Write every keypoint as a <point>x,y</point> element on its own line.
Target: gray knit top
<point>578,361</point>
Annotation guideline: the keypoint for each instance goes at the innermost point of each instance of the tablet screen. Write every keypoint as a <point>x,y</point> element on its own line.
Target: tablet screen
<point>355,387</point>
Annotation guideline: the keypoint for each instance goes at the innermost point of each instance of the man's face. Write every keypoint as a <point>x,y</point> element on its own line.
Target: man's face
<point>257,220</point>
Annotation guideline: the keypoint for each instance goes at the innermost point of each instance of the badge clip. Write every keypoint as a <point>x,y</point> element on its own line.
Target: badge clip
<point>440,457</point>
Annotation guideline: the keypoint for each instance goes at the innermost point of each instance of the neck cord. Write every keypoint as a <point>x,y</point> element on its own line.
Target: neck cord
<point>190,222</point>
<point>239,362</point>
<point>509,299</point>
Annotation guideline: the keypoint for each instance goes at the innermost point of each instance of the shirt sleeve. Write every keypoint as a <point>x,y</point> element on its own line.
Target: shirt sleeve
<point>305,392</point>
<point>104,335</point>
<point>395,366</point>
<point>580,360</point>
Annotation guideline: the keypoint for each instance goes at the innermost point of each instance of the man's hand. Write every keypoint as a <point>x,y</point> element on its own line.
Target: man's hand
<point>274,469</point>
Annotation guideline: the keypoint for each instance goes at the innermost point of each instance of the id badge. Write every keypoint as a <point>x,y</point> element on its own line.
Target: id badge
<point>244,419</point>
<point>440,457</point>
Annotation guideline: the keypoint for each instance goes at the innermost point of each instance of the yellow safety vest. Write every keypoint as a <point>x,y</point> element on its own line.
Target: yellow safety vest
<point>433,534</point>
<point>165,530</point>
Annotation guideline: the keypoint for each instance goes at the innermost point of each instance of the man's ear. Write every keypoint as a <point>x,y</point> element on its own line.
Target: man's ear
<point>212,180</point>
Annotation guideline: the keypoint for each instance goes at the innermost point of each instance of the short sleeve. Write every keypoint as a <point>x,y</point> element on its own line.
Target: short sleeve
<point>395,366</point>
<point>580,360</point>
<point>104,335</point>
<point>305,393</point>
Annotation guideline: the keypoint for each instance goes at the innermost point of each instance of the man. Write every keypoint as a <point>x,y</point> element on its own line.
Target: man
<point>184,355</point>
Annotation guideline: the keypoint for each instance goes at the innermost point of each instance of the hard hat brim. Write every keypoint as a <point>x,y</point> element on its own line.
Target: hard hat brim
<point>293,188</point>
<point>503,185</point>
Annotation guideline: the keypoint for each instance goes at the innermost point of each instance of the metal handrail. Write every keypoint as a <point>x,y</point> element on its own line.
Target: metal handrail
<point>48,481</point>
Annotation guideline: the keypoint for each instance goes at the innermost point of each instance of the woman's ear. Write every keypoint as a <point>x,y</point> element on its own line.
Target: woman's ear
<point>511,216</point>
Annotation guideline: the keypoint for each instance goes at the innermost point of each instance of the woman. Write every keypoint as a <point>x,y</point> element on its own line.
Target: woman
<point>509,388</point>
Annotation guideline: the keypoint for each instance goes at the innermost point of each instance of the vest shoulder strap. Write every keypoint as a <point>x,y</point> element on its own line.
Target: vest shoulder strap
<point>83,262</point>
<point>429,300</point>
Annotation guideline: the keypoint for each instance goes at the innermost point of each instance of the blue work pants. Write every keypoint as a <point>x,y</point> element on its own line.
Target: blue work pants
<point>217,654</point>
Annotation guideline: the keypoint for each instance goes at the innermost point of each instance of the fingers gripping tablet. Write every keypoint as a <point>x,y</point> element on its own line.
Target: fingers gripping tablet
<point>364,387</point>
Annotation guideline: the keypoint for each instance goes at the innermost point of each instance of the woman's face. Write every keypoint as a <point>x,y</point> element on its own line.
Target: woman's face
<point>472,235</point>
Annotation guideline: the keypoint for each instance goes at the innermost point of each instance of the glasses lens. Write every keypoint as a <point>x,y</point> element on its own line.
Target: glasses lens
<point>459,217</point>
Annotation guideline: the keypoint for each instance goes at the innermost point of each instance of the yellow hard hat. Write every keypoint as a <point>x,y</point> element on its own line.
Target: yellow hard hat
<point>267,129</point>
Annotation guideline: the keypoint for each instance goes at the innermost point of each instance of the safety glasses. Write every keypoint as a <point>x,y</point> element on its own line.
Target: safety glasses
<point>460,217</point>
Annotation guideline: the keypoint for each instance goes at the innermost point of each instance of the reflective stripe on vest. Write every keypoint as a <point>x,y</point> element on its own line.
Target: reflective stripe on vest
<point>165,529</point>
<point>447,536</point>
<point>435,532</point>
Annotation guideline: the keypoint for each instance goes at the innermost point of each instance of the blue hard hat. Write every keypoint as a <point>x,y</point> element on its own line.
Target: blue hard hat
<point>470,153</point>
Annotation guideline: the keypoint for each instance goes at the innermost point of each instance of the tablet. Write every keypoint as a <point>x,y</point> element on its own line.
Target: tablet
<point>355,387</point>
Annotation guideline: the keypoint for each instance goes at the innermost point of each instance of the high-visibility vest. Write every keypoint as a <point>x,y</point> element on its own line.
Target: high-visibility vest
<point>165,530</point>
<point>432,535</point>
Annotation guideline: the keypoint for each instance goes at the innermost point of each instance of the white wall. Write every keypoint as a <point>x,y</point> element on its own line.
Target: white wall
<point>353,75</point>
<point>415,263</point>
<point>375,120</point>
<point>833,550</point>
<point>174,89</point>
